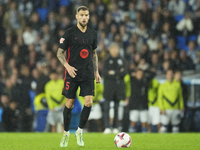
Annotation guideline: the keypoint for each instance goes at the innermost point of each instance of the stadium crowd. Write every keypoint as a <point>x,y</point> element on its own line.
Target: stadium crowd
<point>155,35</point>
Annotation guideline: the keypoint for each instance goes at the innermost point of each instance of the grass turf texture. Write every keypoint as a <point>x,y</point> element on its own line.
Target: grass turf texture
<point>99,141</point>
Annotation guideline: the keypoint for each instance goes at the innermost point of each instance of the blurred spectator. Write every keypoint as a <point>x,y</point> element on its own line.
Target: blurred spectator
<point>174,59</point>
<point>192,51</point>
<point>51,5</point>
<point>156,23</point>
<point>171,45</point>
<point>178,78</point>
<point>117,14</point>
<point>152,41</point>
<point>146,14</point>
<point>46,35</point>
<point>141,31</point>
<point>166,66</point>
<point>185,61</point>
<point>13,21</point>
<point>53,23</point>
<point>153,111</point>
<point>7,48</point>
<point>2,61</point>
<point>131,10</point>
<point>10,117</point>
<point>65,23</point>
<point>24,100</point>
<point>145,53</point>
<point>25,7</point>
<point>137,41</point>
<point>114,70</point>
<point>55,101</point>
<point>4,104</point>
<point>2,30</point>
<point>138,101</point>
<point>177,7</point>
<point>166,16</point>
<point>170,100</point>
<point>29,35</point>
<point>16,54</point>
<point>100,9</point>
<point>94,22</point>
<point>166,33</point>
<point>35,22</point>
<point>156,63</point>
<point>185,26</point>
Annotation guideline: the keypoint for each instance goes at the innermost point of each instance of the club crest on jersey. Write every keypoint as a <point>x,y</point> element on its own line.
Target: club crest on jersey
<point>84,53</point>
<point>62,40</point>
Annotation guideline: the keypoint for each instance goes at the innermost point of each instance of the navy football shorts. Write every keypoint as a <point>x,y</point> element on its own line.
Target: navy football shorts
<point>70,88</point>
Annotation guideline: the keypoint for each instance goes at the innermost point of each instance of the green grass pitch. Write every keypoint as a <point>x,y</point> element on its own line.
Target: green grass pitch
<point>99,141</point>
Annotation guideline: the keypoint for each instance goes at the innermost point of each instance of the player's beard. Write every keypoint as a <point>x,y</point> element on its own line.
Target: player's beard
<point>82,25</point>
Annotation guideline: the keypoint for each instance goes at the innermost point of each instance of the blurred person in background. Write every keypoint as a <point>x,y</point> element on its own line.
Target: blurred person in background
<point>138,101</point>
<point>177,7</point>
<point>13,21</point>
<point>4,104</point>
<point>185,62</point>
<point>25,7</point>
<point>153,111</point>
<point>114,70</point>
<point>178,78</point>
<point>185,26</point>
<point>26,116</point>
<point>29,35</point>
<point>55,101</point>
<point>170,101</point>
<point>10,117</point>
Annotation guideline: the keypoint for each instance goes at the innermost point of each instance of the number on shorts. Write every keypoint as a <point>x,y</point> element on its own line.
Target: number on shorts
<point>67,85</point>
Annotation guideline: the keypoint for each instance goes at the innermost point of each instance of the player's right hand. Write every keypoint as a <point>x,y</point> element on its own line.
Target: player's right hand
<point>72,71</point>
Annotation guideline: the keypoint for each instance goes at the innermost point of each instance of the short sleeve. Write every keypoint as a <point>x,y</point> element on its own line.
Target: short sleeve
<point>94,46</point>
<point>64,42</point>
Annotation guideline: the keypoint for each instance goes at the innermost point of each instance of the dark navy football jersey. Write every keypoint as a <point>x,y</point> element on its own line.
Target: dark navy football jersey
<point>79,47</point>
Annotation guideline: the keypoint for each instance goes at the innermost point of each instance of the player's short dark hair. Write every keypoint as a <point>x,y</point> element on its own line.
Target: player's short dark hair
<point>82,8</point>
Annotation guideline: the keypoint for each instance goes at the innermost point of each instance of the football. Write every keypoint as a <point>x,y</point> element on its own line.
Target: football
<point>122,140</point>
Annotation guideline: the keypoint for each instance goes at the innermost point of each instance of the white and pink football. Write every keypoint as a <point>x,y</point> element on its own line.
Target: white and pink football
<point>122,140</point>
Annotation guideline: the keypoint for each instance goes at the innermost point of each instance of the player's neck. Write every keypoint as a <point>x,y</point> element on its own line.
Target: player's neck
<point>83,29</point>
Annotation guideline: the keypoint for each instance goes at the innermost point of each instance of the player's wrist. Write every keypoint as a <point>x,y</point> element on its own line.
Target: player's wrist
<point>66,65</point>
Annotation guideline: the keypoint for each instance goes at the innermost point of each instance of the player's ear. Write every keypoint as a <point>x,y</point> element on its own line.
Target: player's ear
<point>76,16</point>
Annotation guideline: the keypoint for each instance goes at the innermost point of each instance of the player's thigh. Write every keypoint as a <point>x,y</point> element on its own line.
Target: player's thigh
<point>143,115</point>
<point>176,117</point>
<point>155,115</point>
<point>70,88</point>
<point>87,88</point>
<point>134,115</point>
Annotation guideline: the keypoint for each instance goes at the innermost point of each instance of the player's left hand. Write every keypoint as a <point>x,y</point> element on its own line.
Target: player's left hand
<point>98,78</point>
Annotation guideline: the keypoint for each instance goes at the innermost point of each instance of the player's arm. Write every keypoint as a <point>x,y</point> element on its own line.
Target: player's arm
<point>71,70</point>
<point>95,66</point>
<point>181,102</point>
<point>160,100</point>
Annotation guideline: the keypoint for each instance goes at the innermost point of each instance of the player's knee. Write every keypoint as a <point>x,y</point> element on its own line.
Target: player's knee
<point>69,105</point>
<point>88,103</point>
